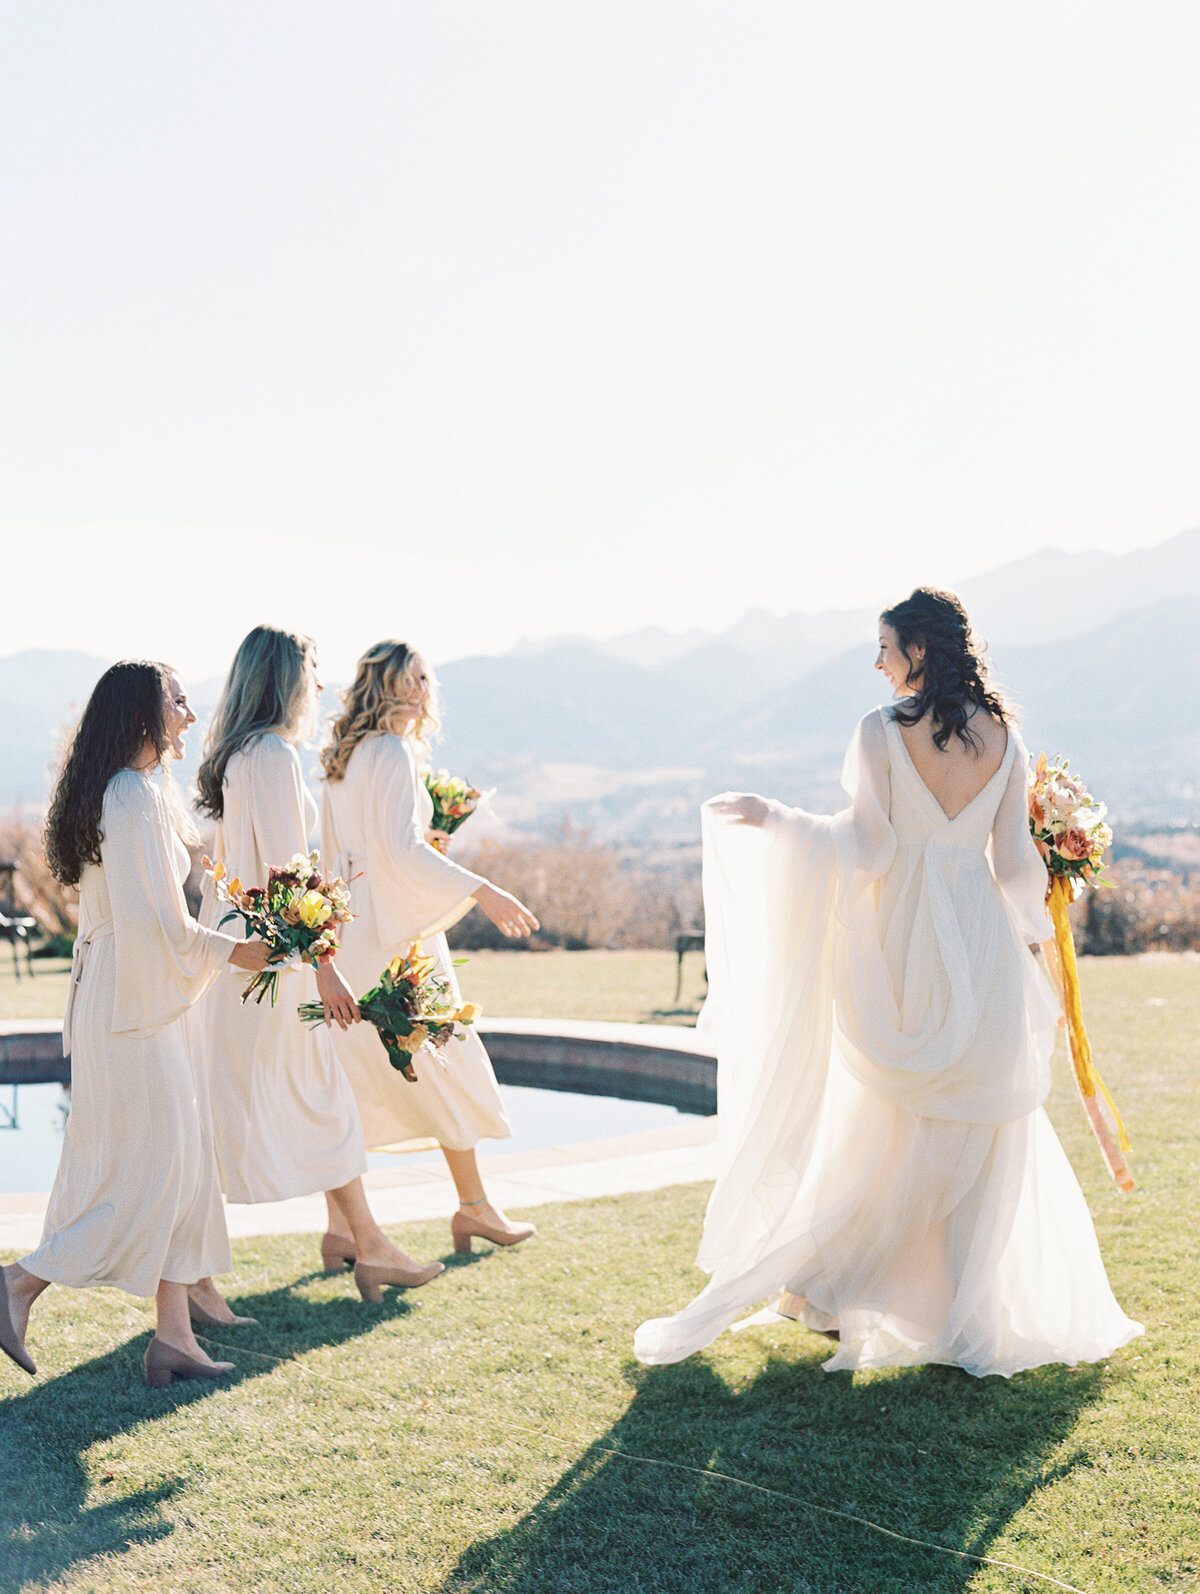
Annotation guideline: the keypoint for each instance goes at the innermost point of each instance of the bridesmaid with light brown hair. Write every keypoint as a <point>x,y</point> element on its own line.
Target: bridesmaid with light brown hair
<point>375,823</point>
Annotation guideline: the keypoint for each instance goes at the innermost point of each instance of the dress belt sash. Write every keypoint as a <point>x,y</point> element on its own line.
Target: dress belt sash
<point>79,957</point>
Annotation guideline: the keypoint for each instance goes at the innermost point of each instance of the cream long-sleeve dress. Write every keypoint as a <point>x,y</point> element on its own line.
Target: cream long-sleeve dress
<point>884,1036</point>
<point>284,1119</point>
<point>373,825</point>
<point>136,1198</point>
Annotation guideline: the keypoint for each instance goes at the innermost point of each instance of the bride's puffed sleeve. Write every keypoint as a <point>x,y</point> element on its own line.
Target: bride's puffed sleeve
<point>425,892</point>
<point>165,961</point>
<point>863,838</point>
<point>1016,862</point>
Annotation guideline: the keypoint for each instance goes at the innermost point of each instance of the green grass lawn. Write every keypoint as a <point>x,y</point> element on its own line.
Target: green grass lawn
<point>629,987</point>
<point>618,987</point>
<point>465,1436</point>
<point>41,995</point>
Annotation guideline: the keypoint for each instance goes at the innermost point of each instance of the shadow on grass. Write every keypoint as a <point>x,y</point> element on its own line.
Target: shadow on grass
<point>47,1524</point>
<point>928,1452</point>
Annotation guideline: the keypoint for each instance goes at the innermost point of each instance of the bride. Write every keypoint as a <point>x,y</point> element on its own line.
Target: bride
<point>887,1174</point>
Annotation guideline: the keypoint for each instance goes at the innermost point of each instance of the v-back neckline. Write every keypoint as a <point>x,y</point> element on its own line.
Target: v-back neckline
<point>928,790</point>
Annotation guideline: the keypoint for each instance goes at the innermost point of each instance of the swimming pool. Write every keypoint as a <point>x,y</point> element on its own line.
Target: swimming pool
<point>29,1152</point>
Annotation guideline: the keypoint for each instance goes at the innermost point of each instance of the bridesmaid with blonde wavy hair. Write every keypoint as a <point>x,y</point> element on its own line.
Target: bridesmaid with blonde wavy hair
<point>375,823</point>
<point>284,1118</point>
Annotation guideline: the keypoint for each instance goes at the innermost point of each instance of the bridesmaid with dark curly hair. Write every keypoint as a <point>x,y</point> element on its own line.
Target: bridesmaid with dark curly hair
<point>136,1203</point>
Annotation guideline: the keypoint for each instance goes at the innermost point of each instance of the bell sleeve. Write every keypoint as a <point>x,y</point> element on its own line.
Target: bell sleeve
<point>421,892</point>
<point>165,960</point>
<point>1016,862</point>
<point>276,797</point>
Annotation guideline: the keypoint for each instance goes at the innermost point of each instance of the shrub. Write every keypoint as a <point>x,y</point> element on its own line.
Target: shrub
<point>36,891</point>
<point>585,893</point>
<point>1148,910</point>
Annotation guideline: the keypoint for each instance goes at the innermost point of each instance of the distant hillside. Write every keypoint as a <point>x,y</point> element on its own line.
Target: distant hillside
<point>1054,595</point>
<point>631,748</point>
<point>41,695</point>
<point>1119,700</point>
<point>1045,597</point>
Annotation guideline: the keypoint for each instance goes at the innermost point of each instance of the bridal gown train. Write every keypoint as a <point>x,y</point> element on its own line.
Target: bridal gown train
<point>884,1036</point>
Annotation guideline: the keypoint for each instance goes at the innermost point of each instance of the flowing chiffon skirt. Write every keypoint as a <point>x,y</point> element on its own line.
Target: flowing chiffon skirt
<point>925,1240</point>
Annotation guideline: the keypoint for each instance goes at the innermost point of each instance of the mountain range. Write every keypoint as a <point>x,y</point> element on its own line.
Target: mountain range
<point>628,736</point>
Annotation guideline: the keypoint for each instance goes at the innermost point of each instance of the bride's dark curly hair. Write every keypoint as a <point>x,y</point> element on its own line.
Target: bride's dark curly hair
<point>952,677</point>
<point>124,710</point>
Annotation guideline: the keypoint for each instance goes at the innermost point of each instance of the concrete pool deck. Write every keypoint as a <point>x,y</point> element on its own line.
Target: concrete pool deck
<point>683,1154</point>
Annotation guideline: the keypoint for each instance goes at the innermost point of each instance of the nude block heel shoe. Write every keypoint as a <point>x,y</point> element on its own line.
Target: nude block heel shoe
<point>337,1253</point>
<point>206,1320</point>
<point>370,1280</point>
<point>464,1229</point>
<point>10,1341</point>
<point>163,1363</point>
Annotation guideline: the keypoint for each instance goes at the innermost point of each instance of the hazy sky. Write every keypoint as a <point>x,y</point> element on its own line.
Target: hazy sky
<point>473,319</point>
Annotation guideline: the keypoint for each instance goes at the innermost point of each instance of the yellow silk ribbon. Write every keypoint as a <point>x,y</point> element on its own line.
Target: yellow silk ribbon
<point>1088,1079</point>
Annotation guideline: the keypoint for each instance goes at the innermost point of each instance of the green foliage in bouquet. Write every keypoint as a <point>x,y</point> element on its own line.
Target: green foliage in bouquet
<point>296,913</point>
<point>410,1007</point>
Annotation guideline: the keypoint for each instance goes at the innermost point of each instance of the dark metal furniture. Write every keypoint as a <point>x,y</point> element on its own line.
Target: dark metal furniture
<point>16,928</point>
<point>687,941</point>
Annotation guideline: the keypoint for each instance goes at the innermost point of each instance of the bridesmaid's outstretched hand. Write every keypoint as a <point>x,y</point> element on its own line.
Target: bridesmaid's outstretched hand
<point>742,809</point>
<point>510,916</point>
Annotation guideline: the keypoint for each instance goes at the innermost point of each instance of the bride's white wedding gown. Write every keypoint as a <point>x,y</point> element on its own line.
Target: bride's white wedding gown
<point>884,1039</point>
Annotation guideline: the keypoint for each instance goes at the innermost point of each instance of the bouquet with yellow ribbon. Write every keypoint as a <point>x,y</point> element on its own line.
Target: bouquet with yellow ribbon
<point>1070,831</point>
<point>410,1007</point>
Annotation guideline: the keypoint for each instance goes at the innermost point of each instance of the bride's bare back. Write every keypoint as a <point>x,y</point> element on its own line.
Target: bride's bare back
<point>958,774</point>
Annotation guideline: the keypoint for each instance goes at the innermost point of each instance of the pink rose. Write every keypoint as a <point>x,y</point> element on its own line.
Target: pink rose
<point>1076,845</point>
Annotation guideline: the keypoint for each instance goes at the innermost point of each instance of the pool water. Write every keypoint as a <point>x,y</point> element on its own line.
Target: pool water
<point>29,1152</point>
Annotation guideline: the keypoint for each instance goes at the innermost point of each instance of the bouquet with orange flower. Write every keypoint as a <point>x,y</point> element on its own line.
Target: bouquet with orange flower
<point>410,1007</point>
<point>296,913</point>
<point>1069,829</point>
<point>1068,825</point>
<point>453,804</point>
